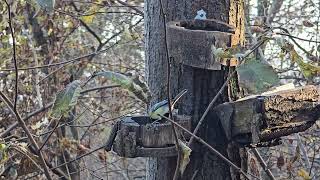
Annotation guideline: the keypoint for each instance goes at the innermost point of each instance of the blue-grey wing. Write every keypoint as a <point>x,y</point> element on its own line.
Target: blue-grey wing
<point>158,105</point>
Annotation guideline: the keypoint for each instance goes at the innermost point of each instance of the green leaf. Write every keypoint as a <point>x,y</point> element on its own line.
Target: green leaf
<point>256,76</point>
<point>87,19</point>
<point>228,52</point>
<point>3,153</point>
<point>136,87</point>
<point>185,154</point>
<point>66,99</point>
<point>308,70</point>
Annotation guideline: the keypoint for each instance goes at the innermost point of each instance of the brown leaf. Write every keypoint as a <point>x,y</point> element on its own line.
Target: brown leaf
<point>289,166</point>
<point>82,149</point>
<point>280,161</point>
<point>102,156</point>
<point>297,155</point>
<point>259,21</point>
<point>253,167</point>
<point>257,29</point>
<point>307,23</point>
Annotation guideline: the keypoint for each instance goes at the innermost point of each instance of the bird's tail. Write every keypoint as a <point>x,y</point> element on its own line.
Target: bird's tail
<point>178,96</point>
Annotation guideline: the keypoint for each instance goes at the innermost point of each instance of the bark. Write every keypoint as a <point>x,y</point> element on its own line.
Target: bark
<point>202,85</point>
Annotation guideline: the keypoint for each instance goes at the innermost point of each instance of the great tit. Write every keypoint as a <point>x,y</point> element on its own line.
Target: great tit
<point>162,108</point>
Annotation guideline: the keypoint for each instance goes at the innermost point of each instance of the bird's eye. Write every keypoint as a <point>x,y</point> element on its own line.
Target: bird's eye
<point>201,15</point>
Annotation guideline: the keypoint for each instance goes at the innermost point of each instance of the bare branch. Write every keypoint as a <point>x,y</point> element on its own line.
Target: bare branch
<point>132,7</point>
<point>26,130</point>
<point>14,58</point>
<point>177,173</point>
<point>36,112</point>
<point>79,157</point>
<point>263,164</point>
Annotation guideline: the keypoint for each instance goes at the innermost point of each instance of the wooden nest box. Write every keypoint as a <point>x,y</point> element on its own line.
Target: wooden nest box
<point>193,42</point>
<point>137,136</point>
<point>262,120</point>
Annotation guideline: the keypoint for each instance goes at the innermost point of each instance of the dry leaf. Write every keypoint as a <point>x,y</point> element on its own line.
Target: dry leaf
<point>82,149</point>
<point>307,23</point>
<point>280,161</point>
<point>297,155</point>
<point>185,153</point>
<point>253,167</point>
<point>304,174</point>
<point>257,29</point>
<point>102,156</point>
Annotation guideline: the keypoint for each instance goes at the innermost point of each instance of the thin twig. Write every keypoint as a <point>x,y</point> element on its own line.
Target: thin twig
<point>63,62</point>
<point>296,37</point>
<point>16,124</point>
<point>66,124</point>
<point>58,120</point>
<point>36,112</point>
<point>112,136</point>
<point>263,164</point>
<point>27,155</point>
<point>99,88</point>
<point>130,6</point>
<point>26,130</point>
<point>50,134</point>
<point>176,172</point>
<point>304,152</point>
<point>79,157</point>
<point>212,149</point>
<point>59,63</point>
<point>66,166</point>
<point>14,57</point>
<point>13,107</point>
<point>293,39</point>
<point>313,159</point>
<point>95,13</point>
<point>94,34</point>
<point>58,172</point>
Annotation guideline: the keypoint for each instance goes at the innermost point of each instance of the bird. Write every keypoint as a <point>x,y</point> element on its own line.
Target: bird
<point>201,15</point>
<point>162,108</point>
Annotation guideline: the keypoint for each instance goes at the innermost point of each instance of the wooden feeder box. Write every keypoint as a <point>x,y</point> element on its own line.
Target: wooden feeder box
<point>263,120</point>
<point>192,42</point>
<point>137,136</point>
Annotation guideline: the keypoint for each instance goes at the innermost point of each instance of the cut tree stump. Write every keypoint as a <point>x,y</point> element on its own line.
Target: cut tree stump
<point>137,136</point>
<point>262,120</point>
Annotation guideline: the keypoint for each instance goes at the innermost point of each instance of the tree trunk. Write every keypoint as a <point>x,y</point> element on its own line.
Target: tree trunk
<point>202,85</point>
